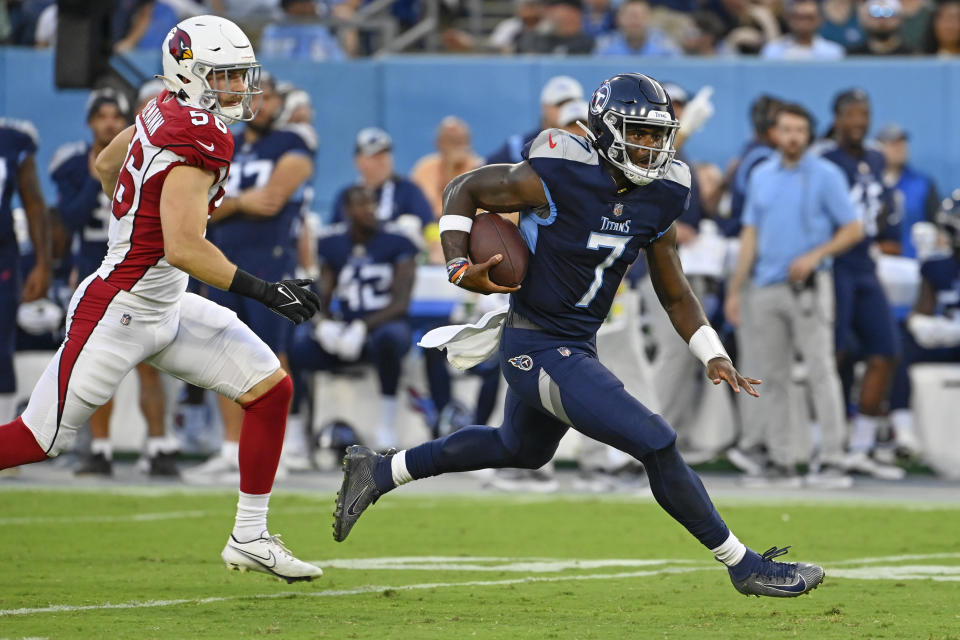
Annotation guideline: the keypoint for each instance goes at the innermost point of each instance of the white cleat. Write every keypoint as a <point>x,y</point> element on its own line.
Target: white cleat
<point>267,555</point>
<point>861,462</point>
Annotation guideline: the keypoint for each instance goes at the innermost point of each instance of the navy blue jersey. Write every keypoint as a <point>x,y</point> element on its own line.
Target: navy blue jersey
<point>83,206</point>
<point>253,164</point>
<point>18,139</point>
<point>750,158</point>
<point>589,234</point>
<point>874,202</point>
<point>944,274</point>
<point>364,273</point>
<point>511,151</point>
<point>395,197</point>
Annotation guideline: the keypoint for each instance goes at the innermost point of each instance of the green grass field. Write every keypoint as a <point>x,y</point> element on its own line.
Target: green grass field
<point>145,564</point>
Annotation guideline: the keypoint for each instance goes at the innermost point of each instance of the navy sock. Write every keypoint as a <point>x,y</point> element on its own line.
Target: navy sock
<point>746,566</point>
<point>383,475</point>
<point>681,494</point>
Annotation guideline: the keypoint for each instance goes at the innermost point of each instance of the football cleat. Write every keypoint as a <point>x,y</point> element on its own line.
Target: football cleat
<point>267,555</point>
<point>779,579</point>
<point>358,491</point>
<point>96,464</point>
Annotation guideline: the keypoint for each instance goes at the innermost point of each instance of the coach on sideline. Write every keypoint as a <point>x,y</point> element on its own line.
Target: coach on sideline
<point>797,216</point>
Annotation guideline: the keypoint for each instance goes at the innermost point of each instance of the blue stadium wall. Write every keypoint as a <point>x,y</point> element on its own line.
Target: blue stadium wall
<point>498,97</point>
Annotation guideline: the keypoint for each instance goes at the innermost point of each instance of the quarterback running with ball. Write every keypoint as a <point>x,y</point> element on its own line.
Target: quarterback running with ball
<point>166,173</point>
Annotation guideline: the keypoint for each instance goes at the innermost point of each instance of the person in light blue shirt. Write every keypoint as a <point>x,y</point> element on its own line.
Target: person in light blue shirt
<point>634,35</point>
<point>802,42</point>
<point>300,36</point>
<point>798,215</point>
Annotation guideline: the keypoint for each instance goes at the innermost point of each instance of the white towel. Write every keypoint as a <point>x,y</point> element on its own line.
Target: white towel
<point>468,345</point>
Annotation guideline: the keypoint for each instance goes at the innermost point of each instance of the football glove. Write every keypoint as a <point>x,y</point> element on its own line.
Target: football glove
<point>288,298</point>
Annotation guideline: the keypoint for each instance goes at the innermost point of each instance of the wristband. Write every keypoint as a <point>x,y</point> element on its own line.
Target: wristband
<point>247,285</point>
<point>456,269</point>
<point>454,222</point>
<point>705,345</point>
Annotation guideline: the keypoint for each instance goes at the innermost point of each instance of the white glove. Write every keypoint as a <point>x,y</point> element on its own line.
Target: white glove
<point>351,341</point>
<point>327,333</point>
<point>697,111</point>
<point>932,332</point>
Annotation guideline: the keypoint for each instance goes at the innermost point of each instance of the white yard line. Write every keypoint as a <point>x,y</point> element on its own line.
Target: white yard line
<point>144,517</point>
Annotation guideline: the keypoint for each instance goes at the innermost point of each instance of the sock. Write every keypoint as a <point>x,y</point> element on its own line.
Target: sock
<point>7,406</point>
<point>251,522</point>
<point>261,437</point>
<point>230,450</point>
<point>387,431</point>
<point>391,472</point>
<point>902,421</point>
<point>731,552</point>
<point>295,439</point>
<point>751,560</point>
<point>102,446</point>
<point>864,434</point>
<point>681,494</point>
<point>18,445</point>
<point>156,446</point>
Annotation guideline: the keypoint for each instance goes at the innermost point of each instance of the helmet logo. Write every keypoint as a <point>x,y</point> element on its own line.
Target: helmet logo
<point>180,45</point>
<point>600,99</point>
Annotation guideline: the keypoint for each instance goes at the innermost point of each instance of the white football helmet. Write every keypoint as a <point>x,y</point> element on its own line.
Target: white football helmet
<point>202,45</point>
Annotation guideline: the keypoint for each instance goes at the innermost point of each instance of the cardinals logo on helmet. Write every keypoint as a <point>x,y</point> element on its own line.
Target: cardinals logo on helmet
<point>180,45</point>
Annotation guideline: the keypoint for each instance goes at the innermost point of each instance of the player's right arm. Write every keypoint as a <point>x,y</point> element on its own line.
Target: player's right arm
<point>110,161</point>
<point>499,188</point>
<point>183,218</point>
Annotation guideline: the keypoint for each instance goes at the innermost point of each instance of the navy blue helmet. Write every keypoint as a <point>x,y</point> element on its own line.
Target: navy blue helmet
<point>624,103</point>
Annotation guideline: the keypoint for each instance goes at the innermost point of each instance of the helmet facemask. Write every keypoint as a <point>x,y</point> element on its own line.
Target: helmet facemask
<point>211,98</point>
<point>658,158</point>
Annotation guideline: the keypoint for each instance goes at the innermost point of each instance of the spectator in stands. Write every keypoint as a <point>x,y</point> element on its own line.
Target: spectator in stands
<point>599,17</point>
<point>454,156</point>
<point>300,35</point>
<point>916,17</point>
<point>18,147</point>
<point>841,24</point>
<point>796,218</point>
<point>747,26</point>
<point>882,21</point>
<point>934,326</point>
<point>703,35</point>
<point>635,36</point>
<point>564,35</point>
<point>558,91</point>
<point>918,193</point>
<point>246,10</point>
<point>802,42</point>
<point>525,24</point>
<point>368,268</point>
<point>256,227</point>
<point>865,326</point>
<point>943,30</point>
<point>396,196</point>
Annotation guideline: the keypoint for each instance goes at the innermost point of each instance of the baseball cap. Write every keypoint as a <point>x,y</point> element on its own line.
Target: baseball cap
<point>676,92</point>
<point>572,111</point>
<point>892,133</point>
<point>150,89</point>
<point>373,140</point>
<point>560,89</point>
<point>104,96</point>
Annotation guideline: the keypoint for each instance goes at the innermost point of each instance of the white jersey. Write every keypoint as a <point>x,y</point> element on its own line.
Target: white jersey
<point>168,133</point>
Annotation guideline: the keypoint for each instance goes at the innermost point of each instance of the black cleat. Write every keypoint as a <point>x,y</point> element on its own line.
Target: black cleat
<point>358,490</point>
<point>96,464</point>
<point>779,579</point>
<point>164,465</point>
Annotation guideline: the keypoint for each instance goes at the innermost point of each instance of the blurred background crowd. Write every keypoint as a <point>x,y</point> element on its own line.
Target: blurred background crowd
<point>836,334</point>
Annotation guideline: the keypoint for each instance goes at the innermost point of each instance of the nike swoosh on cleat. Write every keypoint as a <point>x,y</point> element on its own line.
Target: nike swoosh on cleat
<point>260,559</point>
<point>799,587</point>
<point>350,509</point>
<point>208,147</point>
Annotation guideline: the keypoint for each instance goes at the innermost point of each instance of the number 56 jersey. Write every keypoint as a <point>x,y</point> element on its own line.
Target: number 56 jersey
<point>169,133</point>
<point>590,233</point>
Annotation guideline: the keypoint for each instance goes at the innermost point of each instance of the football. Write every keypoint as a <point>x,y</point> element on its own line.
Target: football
<point>491,235</point>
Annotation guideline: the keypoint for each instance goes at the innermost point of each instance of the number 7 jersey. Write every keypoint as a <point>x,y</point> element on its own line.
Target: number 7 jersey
<point>169,133</point>
<point>590,233</point>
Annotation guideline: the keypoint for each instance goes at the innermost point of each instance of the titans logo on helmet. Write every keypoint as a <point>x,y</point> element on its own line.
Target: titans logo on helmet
<point>180,45</point>
<point>600,98</point>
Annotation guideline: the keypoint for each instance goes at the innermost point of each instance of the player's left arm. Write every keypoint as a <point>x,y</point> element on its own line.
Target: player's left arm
<point>28,186</point>
<point>687,315</point>
<point>403,275</point>
<point>110,161</point>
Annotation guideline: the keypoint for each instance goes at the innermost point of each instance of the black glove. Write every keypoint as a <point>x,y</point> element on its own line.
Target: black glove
<point>288,298</point>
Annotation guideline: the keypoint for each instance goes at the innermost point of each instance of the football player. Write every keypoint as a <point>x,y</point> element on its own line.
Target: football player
<point>589,205</point>
<point>18,174</point>
<point>256,227</point>
<point>866,328</point>
<point>85,211</point>
<point>166,174</point>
